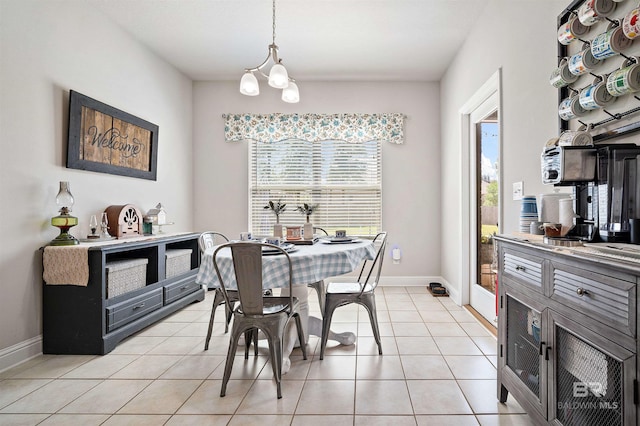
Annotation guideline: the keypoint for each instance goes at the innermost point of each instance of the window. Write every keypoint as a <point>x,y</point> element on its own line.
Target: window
<point>342,178</point>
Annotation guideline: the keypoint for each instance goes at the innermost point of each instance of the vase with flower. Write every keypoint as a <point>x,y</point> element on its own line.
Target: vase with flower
<point>277,208</point>
<point>307,210</point>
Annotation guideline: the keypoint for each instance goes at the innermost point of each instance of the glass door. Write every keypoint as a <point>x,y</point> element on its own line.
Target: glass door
<point>485,206</point>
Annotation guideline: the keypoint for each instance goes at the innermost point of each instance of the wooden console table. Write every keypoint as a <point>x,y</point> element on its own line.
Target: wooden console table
<point>83,319</point>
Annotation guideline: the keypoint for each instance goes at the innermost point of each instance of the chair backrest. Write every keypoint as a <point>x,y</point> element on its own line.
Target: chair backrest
<point>247,263</point>
<point>208,239</point>
<point>375,265</point>
<point>318,230</point>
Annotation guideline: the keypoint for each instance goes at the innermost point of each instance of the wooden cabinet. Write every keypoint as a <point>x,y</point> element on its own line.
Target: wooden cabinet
<point>567,334</point>
<point>85,320</point>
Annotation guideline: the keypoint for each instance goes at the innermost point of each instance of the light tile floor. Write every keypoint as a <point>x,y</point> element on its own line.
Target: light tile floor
<point>438,368</point>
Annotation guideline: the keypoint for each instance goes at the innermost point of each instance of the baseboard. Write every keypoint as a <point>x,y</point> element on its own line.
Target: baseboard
<point>387,281</point>
<point>20,352</point>
<point>454,293</point>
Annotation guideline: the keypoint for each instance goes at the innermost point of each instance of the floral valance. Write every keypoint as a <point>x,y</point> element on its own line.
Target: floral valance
<point>314,127</point>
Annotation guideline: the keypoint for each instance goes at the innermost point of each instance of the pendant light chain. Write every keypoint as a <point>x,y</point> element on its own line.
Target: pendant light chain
<point>274,22</point>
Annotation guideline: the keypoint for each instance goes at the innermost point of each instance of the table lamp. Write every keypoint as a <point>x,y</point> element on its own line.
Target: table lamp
<point>64,221</point>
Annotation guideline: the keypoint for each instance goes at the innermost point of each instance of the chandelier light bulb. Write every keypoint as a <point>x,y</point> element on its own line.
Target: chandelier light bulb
<point>290,94</point>
<point>249,84</point>
<point>278,77</point>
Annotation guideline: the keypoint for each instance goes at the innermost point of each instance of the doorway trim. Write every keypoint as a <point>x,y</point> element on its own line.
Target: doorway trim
<point>490,88</point>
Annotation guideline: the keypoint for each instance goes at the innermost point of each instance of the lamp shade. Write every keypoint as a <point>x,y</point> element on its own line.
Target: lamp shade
<point>278,77</point>
<point>249,84</point>
<point>290,94</point>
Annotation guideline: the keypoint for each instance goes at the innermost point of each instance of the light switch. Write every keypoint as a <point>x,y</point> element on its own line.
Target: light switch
<point>518,190</point>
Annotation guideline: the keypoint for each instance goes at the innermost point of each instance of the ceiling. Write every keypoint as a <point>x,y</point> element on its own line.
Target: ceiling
<point>400,40</point>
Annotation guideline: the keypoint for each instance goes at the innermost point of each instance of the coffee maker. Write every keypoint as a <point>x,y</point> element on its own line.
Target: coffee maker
<point>606,191</point>
<point>618,190</point>
<point>575,166</point>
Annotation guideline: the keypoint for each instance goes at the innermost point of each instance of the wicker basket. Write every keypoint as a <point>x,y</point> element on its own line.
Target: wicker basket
<point>178,262</point>
<point>124,276</point>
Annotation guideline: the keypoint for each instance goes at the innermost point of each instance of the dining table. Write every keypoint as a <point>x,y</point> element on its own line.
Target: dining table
<point>325,258</point>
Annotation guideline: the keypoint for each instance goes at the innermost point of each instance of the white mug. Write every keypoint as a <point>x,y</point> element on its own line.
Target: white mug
<point>631,24</point>
<point>596,95</point>
<point>571,30</point>
<point>609,43</point>
<point>582,62</point>
<point>245,236</point>
<point>575,138</point>
<point>562,75</point>
<point>625,80</point>
<point>570,108</point>
<point>592,11</point>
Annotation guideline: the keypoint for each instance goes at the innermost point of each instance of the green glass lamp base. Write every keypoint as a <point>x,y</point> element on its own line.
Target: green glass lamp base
<point>64,239</point>
<point>64,222</point>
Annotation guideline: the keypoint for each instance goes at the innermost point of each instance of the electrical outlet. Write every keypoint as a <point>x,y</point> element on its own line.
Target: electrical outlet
<point>518,190</point>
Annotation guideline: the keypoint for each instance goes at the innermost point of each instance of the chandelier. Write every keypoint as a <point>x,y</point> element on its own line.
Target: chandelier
<point>278,76</point>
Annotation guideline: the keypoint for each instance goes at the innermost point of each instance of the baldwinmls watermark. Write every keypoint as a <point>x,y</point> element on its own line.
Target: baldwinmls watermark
<point>585,389</point>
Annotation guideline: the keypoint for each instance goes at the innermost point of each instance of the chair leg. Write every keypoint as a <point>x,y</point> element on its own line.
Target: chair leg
<point>229,313</point>
<point>326,326</point>
<point>275,352</point>
<point>228,366</point>
<point>217,300</point>
<point>248,337</point>
<point>303,346</point>
<point>373,318</point>
<point>321,290</point>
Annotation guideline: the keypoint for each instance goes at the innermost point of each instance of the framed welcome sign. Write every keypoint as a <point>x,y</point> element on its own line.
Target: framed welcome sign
<point>107,140</point>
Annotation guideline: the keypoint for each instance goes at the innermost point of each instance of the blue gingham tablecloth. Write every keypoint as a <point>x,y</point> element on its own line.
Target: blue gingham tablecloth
<point>311,263</point>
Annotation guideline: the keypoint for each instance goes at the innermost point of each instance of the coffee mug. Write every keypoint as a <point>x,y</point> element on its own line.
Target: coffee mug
<point>552,229</point>
<point>341,233</point>
<point>570,108</point>
<point>575,138</point>
<point>592,10</point>
<point>609,43</point>
<point>276,241</point>
<point>582,62</point>
<point>535,228</point>
<point>625,80</point>
<point>571,30</point>
<point>562,76</point>
<point>631,24</point>
<point>245,236</point>
<point>596,95</point>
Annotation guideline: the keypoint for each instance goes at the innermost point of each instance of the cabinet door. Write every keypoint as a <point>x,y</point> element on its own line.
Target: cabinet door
<point>522,349</point>
<point>591,378</point>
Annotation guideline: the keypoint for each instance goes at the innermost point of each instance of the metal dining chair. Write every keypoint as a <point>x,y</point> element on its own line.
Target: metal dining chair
<point>319,286</point>
<point>255,311</point>
<point>207,240</point>
<point>361,292</point>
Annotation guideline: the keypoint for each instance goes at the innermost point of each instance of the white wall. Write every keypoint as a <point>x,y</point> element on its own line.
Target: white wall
<point>410,172</point>
<point>519,37</point>
<point>48,48</point>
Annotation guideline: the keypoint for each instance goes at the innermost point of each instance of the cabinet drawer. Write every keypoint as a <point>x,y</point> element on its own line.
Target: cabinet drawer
<point>609,299</point>
<point>523,268</point>
<point>132,309</point>
<point>175,291</point>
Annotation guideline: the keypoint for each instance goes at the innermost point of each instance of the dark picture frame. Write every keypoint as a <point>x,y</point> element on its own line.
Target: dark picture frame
<point>105,139</point>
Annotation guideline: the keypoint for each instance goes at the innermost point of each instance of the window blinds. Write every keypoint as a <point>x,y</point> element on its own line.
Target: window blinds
<point>343,179</point>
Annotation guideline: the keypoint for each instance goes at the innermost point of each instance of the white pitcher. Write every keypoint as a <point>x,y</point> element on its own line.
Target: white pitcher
<point>567,214</point>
